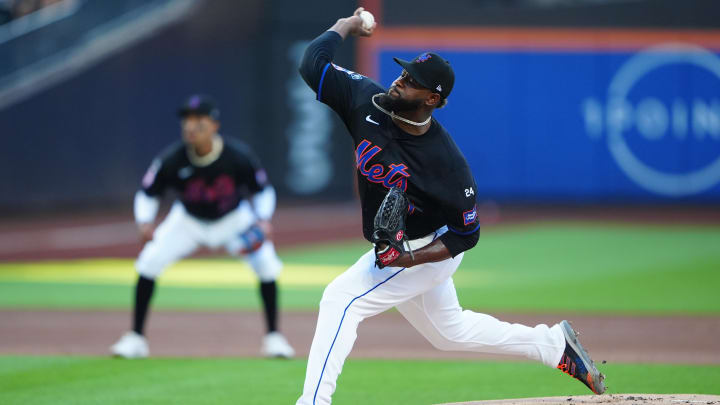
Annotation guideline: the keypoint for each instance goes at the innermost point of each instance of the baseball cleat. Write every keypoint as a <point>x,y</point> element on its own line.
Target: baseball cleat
<point>131,346</point>
<point>275,345</point>
<point>576,362</point>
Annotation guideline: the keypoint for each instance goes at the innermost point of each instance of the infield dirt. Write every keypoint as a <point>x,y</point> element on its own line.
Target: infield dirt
<point>686,340</point>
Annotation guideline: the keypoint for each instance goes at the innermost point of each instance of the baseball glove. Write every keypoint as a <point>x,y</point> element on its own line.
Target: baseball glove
<point>251,239</point>
<point>389,228</point>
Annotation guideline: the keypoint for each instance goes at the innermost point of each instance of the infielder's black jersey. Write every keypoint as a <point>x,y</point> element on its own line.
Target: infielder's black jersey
<point>211,191</point>
<point>429,167</point>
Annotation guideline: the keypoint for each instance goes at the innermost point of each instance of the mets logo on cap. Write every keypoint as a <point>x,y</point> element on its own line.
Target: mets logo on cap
<point>194,101</point>
<point>423,57</point>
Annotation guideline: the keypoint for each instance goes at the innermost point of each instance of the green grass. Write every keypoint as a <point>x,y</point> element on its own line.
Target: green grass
<point>544,267</point>
<point>54,296</point>
<point>91,380</point>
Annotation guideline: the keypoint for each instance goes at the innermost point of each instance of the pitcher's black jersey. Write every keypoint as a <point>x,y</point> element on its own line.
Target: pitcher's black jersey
<point>430,167</point>
<point>207,192</point>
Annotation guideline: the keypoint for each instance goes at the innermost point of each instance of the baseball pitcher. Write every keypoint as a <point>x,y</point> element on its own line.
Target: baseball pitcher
<point>419,211</point>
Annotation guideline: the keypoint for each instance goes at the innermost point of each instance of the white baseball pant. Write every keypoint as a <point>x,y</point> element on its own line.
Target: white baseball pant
<point>425,295</point>
<point>180,234</point>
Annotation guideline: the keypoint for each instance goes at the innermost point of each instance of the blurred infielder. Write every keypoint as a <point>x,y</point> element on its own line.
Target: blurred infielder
<point>225,200</point>
<point>400,146</point>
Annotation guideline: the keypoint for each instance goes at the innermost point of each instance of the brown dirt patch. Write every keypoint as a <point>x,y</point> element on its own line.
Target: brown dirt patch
<point>210,334</point>
<point>616,399</point>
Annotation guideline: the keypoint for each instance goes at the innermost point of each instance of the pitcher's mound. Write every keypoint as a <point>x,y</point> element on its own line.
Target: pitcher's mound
<point>619,399</point>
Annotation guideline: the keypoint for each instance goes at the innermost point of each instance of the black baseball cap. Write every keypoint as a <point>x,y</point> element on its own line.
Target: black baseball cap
<point>200,104</point>
<point>431,71</point>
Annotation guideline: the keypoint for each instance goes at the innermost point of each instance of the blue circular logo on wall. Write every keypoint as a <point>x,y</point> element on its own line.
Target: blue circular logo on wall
<point>663,106</point>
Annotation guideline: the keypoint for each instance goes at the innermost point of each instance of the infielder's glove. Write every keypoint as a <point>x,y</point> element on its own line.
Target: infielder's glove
<point>251,239</point>
<point>389,228</point>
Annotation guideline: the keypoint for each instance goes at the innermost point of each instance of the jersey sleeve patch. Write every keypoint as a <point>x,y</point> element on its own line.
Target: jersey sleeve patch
<point>353,75</point>
<point>149,177</point>
<point>261,177</point>
<point>470,216</point>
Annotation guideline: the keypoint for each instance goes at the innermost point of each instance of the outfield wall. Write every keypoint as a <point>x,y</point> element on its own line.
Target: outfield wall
<point>554,102</point>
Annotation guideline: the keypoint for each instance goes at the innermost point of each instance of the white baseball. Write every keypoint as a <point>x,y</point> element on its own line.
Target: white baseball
<point>367,19</point>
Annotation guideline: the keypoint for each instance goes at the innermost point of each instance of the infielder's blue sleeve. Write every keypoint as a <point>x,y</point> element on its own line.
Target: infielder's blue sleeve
<point>158,176</point>
<point>155,179</point>
<point>249,171</point>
